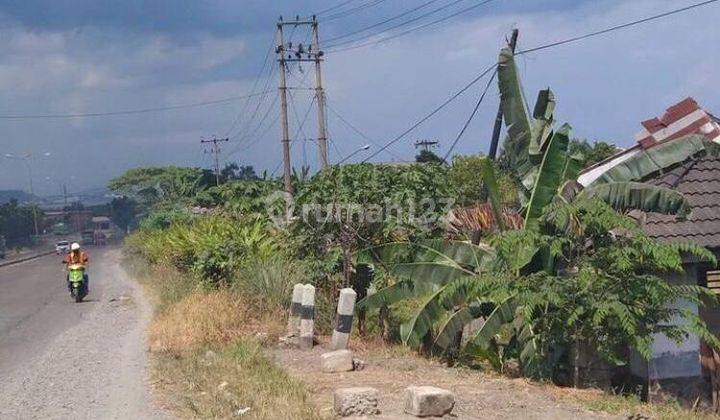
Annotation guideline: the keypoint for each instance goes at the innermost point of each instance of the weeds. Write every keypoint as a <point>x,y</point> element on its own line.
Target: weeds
<point>209,318</point>
<point>268,282</point>
<point>222,382</point>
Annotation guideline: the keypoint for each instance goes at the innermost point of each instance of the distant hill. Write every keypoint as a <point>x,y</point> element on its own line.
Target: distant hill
<point>20,196</point>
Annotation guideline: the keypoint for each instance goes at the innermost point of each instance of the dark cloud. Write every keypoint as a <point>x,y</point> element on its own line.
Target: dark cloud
<point>96,56</point>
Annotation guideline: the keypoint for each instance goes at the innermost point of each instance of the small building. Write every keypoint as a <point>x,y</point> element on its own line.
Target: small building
<point>683,370</point>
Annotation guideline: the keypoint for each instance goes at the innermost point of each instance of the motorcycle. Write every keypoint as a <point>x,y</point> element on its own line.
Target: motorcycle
<point>77,281</point>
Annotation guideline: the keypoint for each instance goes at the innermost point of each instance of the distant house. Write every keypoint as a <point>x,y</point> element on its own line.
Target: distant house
<point>680,370</point>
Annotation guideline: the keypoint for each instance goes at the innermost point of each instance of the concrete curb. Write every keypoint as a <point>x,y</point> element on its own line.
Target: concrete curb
<point>23,259</point>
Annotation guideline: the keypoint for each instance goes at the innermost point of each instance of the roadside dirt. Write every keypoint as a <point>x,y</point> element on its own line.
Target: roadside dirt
<point>478,395</point>
<point>94,369</point>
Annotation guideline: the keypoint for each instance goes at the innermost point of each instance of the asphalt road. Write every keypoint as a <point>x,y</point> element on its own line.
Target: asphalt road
<point>60,359</point>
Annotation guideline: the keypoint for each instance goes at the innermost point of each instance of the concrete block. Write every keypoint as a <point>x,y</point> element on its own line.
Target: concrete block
<point>344,319</point>
<point>361,401</point>
<point>293,328</point>
<point>426,401</point>
<point>307,322</point>
<point>337,361</point>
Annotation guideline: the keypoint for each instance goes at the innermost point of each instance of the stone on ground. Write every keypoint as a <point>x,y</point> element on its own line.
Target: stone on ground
<point>426,401</point>
<point>337,361</point>
<point>361,401</point>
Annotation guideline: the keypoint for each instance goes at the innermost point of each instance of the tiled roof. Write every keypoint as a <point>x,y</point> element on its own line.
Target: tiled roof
<point>699,180</point>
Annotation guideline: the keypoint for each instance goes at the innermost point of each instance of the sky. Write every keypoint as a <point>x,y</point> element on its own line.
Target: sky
<point>96,56</point>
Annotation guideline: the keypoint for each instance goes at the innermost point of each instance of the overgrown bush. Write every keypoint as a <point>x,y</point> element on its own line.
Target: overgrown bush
<point>268,282</point>
<point>213,246</point>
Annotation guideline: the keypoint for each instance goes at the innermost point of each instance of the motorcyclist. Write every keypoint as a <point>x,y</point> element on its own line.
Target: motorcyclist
<point>77,256</point>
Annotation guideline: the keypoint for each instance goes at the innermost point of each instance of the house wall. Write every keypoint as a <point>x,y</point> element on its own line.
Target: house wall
<point>671,360</point>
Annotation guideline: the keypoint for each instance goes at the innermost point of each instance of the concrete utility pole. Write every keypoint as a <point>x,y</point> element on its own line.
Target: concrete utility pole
<point>492,153</point>
<point>283,109</point>
<point>297,54</point>
<point>216,151</point>
<point>319,97</point>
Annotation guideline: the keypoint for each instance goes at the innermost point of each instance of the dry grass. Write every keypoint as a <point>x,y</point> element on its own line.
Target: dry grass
<point>206,318</point>
<point>236,379</point>
<point>629,406</point>
<point>207,351</point>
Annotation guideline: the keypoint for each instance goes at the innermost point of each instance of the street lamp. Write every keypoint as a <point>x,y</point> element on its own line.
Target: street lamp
<point>26,159</point>
<point>363,147</point>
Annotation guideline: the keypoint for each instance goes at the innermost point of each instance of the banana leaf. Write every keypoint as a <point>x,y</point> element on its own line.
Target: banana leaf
<point>388,253</point>
<point>386,296</point>
<point>463,253</point>
<point>441,251</point>
<point>503,314</point>
<point>656,159</point>
<point>624,196</point>
<point>573,167</point>
<point>513,102</point>
<point>430,272</point>
<point>550,176</point>
<point>413,332</point>
<point>542,124</point>
<point>488,176</point>
<point>456,322</point>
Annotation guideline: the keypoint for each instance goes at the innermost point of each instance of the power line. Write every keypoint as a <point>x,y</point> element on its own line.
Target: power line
<point>435,111</point>
<point>617,27</point>
<point>356,9</point>
<point>266,88</point>
<point>300,123</point>
<point>360,133</point>
<point>250,134</point>
<point>129,112</point>
<point>472,115</point>
<point>401,24</point>
<point>388,20</point>
<point>332,8</point>
<point>241,114</point>
<point>569,40</point>
<point>416,28</point>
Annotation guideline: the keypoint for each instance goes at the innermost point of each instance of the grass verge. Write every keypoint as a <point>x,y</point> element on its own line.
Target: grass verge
<point>231,380</point>
<point>631,406</point>
<point>208,352</point>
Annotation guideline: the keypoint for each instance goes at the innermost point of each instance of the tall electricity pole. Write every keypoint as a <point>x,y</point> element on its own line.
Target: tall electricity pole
<point>216,151</point>
<point>289,53</point>
<point>492,153</point>
<point>319,96</point>
<point>285,132</point>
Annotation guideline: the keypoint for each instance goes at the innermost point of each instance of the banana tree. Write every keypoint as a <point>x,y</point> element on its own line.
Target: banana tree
<point>452,290</point>
<point>546,167</point>
<point>444,276</point>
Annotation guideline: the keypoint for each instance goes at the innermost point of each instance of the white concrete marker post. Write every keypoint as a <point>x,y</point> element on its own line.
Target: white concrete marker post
<point>307,322</point>
<point>293,328</point>
<point>343,321</point>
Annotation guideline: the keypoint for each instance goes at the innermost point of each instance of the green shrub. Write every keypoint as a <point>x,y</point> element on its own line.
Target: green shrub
<point>213,247</point>
<point>269,281</point>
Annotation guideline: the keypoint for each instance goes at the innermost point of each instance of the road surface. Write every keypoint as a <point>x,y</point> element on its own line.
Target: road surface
<point>60,359</point>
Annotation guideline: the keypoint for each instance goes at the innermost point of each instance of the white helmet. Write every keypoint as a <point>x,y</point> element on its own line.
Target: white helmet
<point>75,246</point>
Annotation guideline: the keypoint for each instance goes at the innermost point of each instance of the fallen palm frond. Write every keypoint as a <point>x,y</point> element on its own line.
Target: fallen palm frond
<point>481,218</point>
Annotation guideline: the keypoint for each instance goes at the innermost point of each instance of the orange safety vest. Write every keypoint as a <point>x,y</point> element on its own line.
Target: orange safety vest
<point>76,258</point>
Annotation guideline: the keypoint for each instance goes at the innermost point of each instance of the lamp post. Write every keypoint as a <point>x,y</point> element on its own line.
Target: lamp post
<point>26,158</point>
<point>363,147</point>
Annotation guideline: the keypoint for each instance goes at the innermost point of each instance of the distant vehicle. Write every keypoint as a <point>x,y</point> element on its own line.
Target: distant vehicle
<point>62,247</point>
<point>2,247</point>
<point>87,237</point>
<point>60,229</point>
